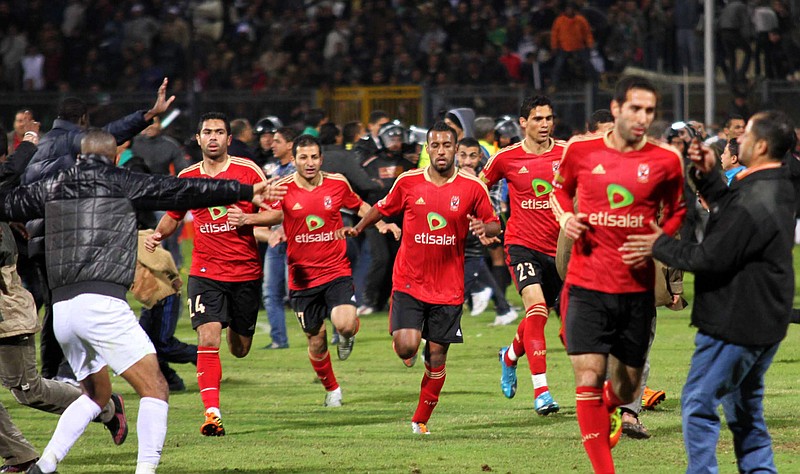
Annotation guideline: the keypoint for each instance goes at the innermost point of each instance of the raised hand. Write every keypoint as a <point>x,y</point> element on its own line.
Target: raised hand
<point>162,103</point>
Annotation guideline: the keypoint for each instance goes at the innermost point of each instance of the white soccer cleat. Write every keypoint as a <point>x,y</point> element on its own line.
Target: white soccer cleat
<point>333,398</point>
<point>419,428</point>
<point>480,301</point>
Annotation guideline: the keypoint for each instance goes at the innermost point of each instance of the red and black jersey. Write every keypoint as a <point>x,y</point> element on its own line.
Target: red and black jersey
<point>310,218</point>
<point>621,194</point>
<point>221,250</point>
<point>529,176</point>
<point>430,263</point>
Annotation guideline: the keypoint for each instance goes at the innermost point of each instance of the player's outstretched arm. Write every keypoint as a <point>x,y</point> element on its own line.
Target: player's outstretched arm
<point>371,218</point>
<point>269,217</point>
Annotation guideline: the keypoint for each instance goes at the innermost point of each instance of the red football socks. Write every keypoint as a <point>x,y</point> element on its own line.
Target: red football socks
<point>517,345</point>
<point>593,421</point>
<point>209,375</point>
<point>431,386</point>
<point>322,366</point>
<point>610,399</point>
<point>535,345</point>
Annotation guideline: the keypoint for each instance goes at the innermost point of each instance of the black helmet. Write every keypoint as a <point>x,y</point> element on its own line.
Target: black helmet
<point>267,125</point>
<point>389,131</point>
<point>506,126</point>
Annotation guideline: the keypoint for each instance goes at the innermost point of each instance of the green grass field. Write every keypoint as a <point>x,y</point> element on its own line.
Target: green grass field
<point>273,413</point>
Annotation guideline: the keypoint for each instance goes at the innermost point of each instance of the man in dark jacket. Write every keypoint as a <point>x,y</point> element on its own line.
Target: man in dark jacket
<point>744,287</point>
<point>58,150</point>
<point>90,275</point>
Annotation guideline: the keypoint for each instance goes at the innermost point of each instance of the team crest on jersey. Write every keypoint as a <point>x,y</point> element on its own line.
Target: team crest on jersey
<point>643,173</point>
<point>555,165</point>
<point>454,202</point>
<point>327,202</point>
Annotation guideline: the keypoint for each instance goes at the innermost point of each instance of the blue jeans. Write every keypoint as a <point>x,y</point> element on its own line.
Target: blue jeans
<point>732,375</point>
<point>274,291</point>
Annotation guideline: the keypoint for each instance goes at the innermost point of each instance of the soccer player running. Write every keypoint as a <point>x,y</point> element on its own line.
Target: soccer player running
<point>440,206</point>
<point>320,282</point>
<point>225,277</point>
<point>622,179</point>
<point>530,240</point>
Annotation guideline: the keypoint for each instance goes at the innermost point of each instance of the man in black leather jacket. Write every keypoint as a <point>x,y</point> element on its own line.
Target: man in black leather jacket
<point>90,248</point>
<point>58,150</point>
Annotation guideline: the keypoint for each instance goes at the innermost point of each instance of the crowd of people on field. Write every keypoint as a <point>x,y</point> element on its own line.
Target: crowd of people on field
<point>340,221</point>
<point>269,45</point>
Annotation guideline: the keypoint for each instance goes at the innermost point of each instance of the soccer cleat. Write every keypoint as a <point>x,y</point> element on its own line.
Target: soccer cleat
<point>480,301</point>
<point>212,426</point>
<point>118,425</point>
<point>508,375</point>
<point>333,398</point>
<point>345,346</point>
<point>419,428</point>
<point>651,398</point>
<point>505,319</point>
<point>615,420</point>
<point>544,404</point>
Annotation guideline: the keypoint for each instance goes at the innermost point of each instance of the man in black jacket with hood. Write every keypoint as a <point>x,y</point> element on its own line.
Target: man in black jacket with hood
<point>744,288</point>
<point>90,249</point>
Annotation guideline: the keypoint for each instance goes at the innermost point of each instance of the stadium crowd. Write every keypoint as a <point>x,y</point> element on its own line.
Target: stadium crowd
<point>271,45</point>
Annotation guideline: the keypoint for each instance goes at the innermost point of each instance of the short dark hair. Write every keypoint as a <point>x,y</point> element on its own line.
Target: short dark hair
<point>214,116</point>
<point>730,118</point>
<point>328,133</point>
<point>632,82</point>
<point>531,102</point>
<point>469,142</point>
<point>349,131</point>
<point>314,116</point>
<point>777,129</point>
<point>376,115</point>
<point>441,126</point>
<point>288,133</point>
<point>238,126</point>
<point>72,109</point>
<point>733,146</point>
<point>598,117</point>
<point>305,140</point>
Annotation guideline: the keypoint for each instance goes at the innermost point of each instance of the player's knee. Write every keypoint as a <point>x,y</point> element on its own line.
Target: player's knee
<point>405,351</point>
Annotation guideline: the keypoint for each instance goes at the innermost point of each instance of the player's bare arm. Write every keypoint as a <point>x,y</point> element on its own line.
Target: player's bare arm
<point>268,217</point>
<point>382,227</point>
<point>371,218</point>
<point>166,227</point>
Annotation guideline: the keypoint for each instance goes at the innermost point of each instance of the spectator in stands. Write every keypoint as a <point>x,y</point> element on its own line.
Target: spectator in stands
<point>15,136</point>
<point>314,119</point>
<point>571,37</point>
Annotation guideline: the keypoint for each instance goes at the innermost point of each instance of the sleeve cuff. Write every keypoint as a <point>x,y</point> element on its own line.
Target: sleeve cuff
<point>245,192</point>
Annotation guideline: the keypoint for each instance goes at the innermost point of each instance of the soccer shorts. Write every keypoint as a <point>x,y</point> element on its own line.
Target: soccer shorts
<point>440,323</point>
<point>529,267</point>
<point>95,331</point>
<point>231,303</point>
<point>605,323</point>
<point>313,305</point>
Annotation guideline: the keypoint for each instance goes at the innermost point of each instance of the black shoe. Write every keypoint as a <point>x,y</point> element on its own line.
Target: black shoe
<point>35,470</point>
<point>22,467</point>
<point>118,426</point>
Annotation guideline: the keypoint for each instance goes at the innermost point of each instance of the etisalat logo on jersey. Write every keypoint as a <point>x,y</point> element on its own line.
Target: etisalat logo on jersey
<point>217,213</point>
<point>540,188</point>
<point>314,223</point>
<point>435,222</point>
<point>618,198</point>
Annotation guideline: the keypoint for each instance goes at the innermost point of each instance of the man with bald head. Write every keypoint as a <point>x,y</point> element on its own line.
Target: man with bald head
<point>90,275</point>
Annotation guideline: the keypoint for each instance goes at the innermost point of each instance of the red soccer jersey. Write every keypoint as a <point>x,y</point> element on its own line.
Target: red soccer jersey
<point>430,263</point>
<point>621,193</point>
<point>221,250</point>
<point>309,219</point>
<point>532,224</point>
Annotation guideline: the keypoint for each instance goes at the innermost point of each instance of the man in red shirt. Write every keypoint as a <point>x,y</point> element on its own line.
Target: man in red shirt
<point>623,180</point>
<point>320,282</point>
<point>440,206</point>
<point>225,277</point>
<point>530,240</point>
